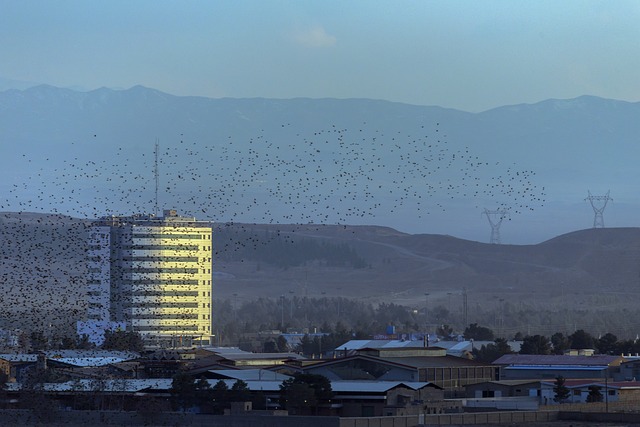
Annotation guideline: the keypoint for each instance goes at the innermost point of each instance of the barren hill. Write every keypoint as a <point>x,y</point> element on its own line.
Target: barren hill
<point>569,269</point>
<point>42,268</point>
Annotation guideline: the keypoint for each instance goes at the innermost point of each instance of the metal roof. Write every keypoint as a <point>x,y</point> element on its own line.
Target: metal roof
<point>164,384</point>
<point>249,374</point>
<point>82,358</point>
<point>20,357</point>
<point>377,344</point>
<point>578,383</point>
<point>555,360</point>
<point>375,386</point>
<point>558,367</point>
<point>88,358</point>
<point>121,385</point>
<point>435,361</point>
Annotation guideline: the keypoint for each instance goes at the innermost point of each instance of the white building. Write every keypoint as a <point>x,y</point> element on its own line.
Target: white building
<point>154,275</point>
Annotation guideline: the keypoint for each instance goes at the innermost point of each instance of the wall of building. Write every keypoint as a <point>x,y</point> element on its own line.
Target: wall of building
<point>513,418</point>
<point>458,376</point>
<point>572,372</point>
<point>101,418</point>
<point>154,274</point>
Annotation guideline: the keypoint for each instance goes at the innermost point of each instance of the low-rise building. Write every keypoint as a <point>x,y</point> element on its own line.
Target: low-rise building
<point>543,366</point>
<point>415,364</point>
<point>610,391</point>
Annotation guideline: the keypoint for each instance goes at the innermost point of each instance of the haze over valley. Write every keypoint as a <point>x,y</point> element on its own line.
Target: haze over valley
<point>417,169</point>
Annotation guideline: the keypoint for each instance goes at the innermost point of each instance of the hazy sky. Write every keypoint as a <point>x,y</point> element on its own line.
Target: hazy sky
<point>470,55</point>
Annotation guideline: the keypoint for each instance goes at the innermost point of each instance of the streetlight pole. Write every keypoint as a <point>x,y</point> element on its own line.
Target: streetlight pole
<point>606,390</point>
<point>426,308</point>
<point>235,306</point>
<point>291,306</point>
<point>282,312</point>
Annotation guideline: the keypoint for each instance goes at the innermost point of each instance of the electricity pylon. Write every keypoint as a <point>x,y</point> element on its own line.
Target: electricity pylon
<point>495,219</point>
<point>598,203</point>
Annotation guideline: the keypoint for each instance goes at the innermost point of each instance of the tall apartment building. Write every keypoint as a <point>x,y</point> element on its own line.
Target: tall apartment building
<point>151,275</point>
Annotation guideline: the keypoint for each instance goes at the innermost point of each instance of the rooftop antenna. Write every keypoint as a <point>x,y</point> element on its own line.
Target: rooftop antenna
<point>156,174</point>
<point>598,203</point>
<point>495,219</point>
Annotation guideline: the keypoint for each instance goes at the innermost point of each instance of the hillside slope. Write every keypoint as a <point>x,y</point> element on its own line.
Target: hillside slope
<point>42,267</point>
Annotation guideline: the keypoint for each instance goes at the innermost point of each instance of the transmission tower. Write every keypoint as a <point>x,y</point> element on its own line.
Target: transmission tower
<point>156,174</point>
<point>495,219</point>
<point>598,203</point>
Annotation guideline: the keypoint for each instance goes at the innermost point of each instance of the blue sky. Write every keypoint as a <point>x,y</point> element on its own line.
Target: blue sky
<point>470,55</point>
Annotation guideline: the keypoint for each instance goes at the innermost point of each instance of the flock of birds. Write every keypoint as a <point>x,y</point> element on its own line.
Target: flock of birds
<point>331,176</point>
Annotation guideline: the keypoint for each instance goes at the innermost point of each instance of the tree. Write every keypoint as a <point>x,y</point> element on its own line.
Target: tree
<point>594,394</point>
<point>536,344</point>
<point>204,393</point>
<point>270,347</point>
<point>3,384</point>
<point>301,399</point>
<point>38,341</point>
<point>581,339</point>
<point>627,346</point>
<point>489,353</point>
<point>560,343</point>
<point>478,333</point>
<point>83,343</point>
<point>444,331</point>
<point>560,391</point>
<point>183,391</point>
<point>283,345</point>
<point>607,344</point>
<point>123,341</point>
<point>240,392</point>
<point>306,345</point>
<point>304,393</point>
<point>220,395</point>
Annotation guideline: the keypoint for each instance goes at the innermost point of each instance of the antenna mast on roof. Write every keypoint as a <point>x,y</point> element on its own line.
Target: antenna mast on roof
<point>156,174</point>
<point>598,208</point>
<point>495,219</point>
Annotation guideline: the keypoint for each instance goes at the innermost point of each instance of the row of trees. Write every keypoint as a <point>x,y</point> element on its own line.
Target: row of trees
<point>301,394</point>
<point>186,392</point>
<point>294,312</point>
<point>558,343</point>
<point>241,242</point>
<point>562,393</point>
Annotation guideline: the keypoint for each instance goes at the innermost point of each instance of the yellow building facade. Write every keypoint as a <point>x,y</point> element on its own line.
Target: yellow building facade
<point>154,275</point>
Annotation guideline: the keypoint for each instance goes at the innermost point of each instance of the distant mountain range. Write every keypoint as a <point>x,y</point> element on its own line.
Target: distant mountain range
<point>353,161</point>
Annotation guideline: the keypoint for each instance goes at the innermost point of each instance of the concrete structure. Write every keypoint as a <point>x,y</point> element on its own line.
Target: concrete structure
<point>506,388</point>
<point>611,391</point>
<point>414,364</point>
<point>153,274</point>
<point>14,366</point>
<point>542,366</point>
